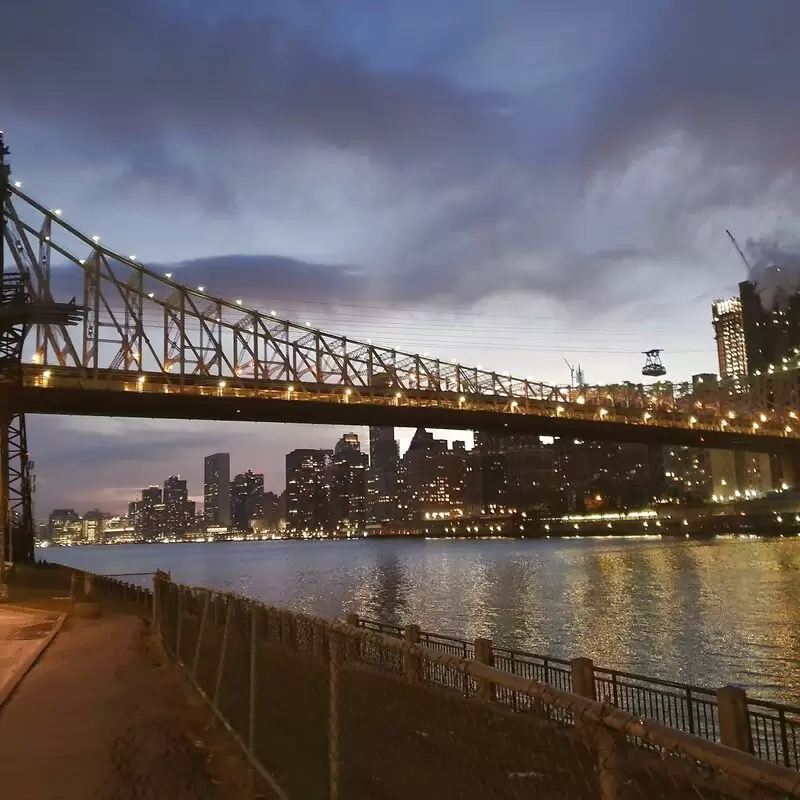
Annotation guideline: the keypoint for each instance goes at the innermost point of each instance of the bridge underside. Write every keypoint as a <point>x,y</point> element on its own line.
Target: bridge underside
<point>86,402</point>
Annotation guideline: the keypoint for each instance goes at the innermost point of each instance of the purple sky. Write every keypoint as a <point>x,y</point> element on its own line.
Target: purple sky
<point>505,183</point>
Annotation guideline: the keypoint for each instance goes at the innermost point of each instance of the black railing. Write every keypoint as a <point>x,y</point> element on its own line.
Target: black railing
<point>774,727</point>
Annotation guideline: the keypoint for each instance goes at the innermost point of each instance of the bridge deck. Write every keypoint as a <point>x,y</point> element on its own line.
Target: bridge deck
<point>153,395</point>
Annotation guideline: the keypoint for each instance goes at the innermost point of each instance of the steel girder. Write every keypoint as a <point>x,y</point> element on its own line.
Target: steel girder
<point>140,320</point>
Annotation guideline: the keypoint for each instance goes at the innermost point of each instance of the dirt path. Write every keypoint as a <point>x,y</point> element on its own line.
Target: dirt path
<point>97,719</point>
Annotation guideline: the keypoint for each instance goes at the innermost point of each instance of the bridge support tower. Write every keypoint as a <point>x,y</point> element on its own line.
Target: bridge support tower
<point>19,311</point>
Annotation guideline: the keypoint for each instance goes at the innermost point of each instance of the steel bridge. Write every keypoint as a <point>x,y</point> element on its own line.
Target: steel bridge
<point>148,346</point>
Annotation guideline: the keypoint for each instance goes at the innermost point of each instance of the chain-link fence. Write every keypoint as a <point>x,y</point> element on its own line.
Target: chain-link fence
<point>330,710</point>
<point>767,729</point>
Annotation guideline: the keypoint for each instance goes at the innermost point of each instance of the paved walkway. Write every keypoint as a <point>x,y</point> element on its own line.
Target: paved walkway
<point>94,720</point>
<point>23,635</point>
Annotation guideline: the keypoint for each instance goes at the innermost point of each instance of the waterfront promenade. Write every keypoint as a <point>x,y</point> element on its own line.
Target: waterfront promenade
<point>321,709</point>
<point>101,715</point>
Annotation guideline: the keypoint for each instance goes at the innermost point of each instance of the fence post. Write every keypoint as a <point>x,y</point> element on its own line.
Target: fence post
<point>605,743</point>
<point>198,643</point>
<point>223,648</point>
<point>251,732</point>
<point>179,631</point>
<point>734,721</point>
<point>583,677</point>
<point>353,644</point>
<point>411,661</point>
<point>333,715</point>
<point>484,655</point>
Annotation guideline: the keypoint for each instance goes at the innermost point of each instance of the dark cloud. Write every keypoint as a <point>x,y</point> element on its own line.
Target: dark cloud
<point>493,189</point>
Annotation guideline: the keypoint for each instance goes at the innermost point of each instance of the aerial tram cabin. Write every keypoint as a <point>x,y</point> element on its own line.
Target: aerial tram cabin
<point>653,367</point>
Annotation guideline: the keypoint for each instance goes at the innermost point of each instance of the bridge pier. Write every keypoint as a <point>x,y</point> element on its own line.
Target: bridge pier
<point>6,538</point>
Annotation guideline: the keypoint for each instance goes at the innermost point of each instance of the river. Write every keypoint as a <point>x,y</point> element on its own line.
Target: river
<point>715,612</point>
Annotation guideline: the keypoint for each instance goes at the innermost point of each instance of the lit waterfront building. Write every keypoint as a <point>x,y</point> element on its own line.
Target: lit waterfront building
<point>382,475</point>
<point>347,510</point>
<point>771,322</point>
<point>150,512</point>
<point>179,511</point>
<point>307,491</point>
<point>65,526</point>
<point>217,489</point>
<point>247,499</point>
<point>687,474</point>
<point>729,333</point>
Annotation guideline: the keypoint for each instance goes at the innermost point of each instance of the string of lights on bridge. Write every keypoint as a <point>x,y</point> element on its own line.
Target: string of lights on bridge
<point>579,402</point>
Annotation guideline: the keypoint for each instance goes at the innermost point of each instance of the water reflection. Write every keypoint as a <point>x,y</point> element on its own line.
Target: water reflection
<point>709,613</point>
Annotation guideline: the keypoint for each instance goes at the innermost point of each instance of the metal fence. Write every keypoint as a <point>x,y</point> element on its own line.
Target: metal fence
<point>772,729</point>
<point>330,710</point>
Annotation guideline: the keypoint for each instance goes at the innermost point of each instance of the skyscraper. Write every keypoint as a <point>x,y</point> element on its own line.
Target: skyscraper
<point>247,499</point>
<point>307,490</point>
<point>382,490</point>
<point>347,482</point>
<point>730,337</point>
<point>217,489</point>
<point>771,329</point>
<point>150,512</point>
<point>178,509</point>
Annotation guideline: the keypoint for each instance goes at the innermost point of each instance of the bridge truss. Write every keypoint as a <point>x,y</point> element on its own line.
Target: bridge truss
<point>137,323</point>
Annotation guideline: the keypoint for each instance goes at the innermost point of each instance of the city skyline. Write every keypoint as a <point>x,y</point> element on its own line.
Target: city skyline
<point>536,182</point>
<point>169,435</point>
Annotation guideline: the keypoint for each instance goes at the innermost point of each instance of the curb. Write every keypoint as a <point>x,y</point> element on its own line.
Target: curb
<point>8,684</point>
<point>39,612</point>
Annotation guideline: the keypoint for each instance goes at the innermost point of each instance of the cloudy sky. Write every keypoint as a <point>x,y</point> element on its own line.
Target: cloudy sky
<point>506,182</point>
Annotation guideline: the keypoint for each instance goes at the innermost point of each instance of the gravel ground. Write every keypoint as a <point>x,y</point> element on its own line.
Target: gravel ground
<point>100,717</point>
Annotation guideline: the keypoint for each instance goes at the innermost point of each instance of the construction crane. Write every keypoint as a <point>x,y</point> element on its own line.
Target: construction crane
<point>575,373</point>
<point>739,251</point>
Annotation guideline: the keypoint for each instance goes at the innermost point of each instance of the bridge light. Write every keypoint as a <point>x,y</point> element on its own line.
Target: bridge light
<point>221,384</point>
<point>37,357</point>
<point>140,380</point>
<point>755,426</point>
<point>132,258</point>
<point>151,295</point>
<point>18,184</point>
<point>603,412</point>
<point>96,239</point>
<point>646,416</point>
<point>46,374</point>
<point>348,392</point>
<point>398,395</point>
<point>788,429</point>
<point>692,420</point>
<point>238,302</point>
<point>167,275</point>
<point>290,389</point>
<point>792,415</point>
<point>724,423</point>
<point>308,324</point>
<point>57,212</point>
<point>273,314</point>
<point>580,399</point>
<point>81,261</point>
<point>763,417</point>
<point>462,400</point>
<point>201,288</point>
<point>731,415</point>
<point>559,409</point>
